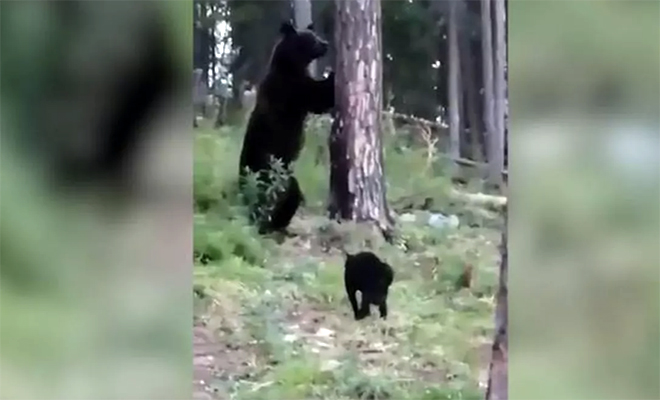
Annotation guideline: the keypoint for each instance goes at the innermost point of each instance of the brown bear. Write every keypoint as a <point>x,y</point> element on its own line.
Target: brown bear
<point>275,130</point>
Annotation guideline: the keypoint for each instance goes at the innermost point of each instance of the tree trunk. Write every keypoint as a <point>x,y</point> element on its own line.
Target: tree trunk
<point>498,371</point>
<point>199,93</point>
<point>469,80</point>
<point>357,185</point>
<point>302,11</point>
<point>506,80</point>
<point>453,86</point>
<point>497,156</point>
<point>487,51</point>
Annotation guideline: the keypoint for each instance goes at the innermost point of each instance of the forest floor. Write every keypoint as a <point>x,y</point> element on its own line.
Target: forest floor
<point>287,330</point>
<point>271,316</point>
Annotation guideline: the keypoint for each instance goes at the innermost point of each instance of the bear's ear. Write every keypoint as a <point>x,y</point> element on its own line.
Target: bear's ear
<point>287,28</point>
<point>310,27</point>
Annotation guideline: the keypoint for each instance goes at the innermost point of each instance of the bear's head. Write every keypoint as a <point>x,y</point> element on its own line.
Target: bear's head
<point>297,49</point>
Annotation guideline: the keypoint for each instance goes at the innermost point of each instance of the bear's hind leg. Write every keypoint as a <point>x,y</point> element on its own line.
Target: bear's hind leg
<point>286,206</point>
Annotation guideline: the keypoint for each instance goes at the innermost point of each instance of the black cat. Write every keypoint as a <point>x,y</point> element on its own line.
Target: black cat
<point>365,272</point>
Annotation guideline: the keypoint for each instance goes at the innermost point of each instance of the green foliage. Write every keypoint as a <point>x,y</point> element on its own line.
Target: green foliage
<point>219,239</point>
<point>254,27</point>
<point>410,41</point>
<point>413,33</point>
<point>70,252</point>
<point>568,69</point>
<point>261,195</point>
<point>443,393</point>
<point>214,184</point>
<point>221,229</point>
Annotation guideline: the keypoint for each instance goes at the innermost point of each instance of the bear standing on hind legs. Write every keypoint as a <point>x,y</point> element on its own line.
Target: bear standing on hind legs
<point>276,126</point>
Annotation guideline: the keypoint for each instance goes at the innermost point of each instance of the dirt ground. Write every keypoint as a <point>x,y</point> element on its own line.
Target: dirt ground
<point>433,337</point>
<point>217,361</point>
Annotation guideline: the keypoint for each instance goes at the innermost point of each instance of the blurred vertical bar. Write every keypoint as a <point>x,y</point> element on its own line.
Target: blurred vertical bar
<point>96,200</point>
<point>585,183</point>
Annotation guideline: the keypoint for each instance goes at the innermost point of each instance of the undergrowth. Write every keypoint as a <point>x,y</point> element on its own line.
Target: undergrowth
<point>279,303</point>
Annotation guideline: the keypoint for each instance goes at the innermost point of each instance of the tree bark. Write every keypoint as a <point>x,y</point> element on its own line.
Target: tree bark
<point>506,79</point>
<point>487,51</point>
<point>302,11</point>
<point>199,94</point>
<point>357,185</point>
<point>453,86</point>
<point>498,373</point>
<point>498,139</point>
<point>469,80</point>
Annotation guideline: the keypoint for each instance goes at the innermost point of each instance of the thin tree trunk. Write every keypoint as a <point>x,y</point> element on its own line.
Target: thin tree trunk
<point>498,372</point>
<point>357,185</point>
<point>453,86</point>
<point>464,143</point>
<point>199,93</point>
<point>506,79</point>
<point>472,100</point>
<point>302,11</point>
<point>497,159</point>
<point>487,51</point>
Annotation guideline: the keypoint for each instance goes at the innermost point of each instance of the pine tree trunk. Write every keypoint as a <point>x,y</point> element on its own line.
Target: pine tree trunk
<point>498,372</point>
<point>487,52</point>
<point>469,83</point>
<point>498,139</point>
<point>199,94</point>
<point>357,185</point>
<point>454,86</point>
<point>506,81</point>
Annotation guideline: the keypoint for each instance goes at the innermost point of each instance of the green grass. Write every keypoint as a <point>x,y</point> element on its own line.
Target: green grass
<point>281,310</point>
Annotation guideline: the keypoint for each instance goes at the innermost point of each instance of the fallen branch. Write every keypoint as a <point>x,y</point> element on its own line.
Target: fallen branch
<point>480,198</point>
<point>412,120</point>
<point>473,164</point>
